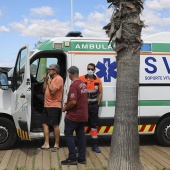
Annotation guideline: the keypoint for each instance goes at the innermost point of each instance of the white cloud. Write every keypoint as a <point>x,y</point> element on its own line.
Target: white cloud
<point>91,25</point>
<point>78,16</point>
<point>41,28</point>
<point>42,11</point>
<point>157,16</point>
<point>157,4</point>
<point>3,29</point>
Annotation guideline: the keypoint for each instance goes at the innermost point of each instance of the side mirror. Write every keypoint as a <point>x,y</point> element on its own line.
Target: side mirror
<point>4,81</point>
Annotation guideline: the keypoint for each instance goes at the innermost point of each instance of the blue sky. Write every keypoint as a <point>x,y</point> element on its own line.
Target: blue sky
<point>24,22</point>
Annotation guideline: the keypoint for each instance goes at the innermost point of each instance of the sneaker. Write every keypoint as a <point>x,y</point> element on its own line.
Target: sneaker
<point>77,150</point>
<point>82,161</point>
<point>96,149</point>
<point>69,162</point>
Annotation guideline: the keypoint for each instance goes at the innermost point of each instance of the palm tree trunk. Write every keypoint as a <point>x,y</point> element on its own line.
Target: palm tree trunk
<point>124,154</point>
<point>124,31</point>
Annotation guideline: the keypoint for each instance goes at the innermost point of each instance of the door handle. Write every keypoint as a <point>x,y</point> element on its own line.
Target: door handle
<point>22,96</point>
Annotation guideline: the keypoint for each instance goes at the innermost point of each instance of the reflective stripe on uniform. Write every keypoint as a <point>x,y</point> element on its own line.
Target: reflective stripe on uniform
<point>94,133</point>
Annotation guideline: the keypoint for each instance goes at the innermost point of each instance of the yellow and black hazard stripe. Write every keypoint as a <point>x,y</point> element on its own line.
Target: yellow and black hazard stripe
<point>109,129</point>
<point>23,134</point>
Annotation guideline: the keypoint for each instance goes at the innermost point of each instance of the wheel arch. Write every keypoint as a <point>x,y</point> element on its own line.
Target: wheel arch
<point>166,115</point>
<point>8,136</point>
<point>5,115</point>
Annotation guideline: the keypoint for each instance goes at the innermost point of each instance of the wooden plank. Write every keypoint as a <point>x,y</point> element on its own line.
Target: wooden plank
<point>102,158</point>
<point>94,159</point>
<point>89,164</point>
<point>38,159</point>
<point>23,153</point>
<point>2,153</point>
<point>71,167</point>
<point>158,156</point>
<point>55,160</point>
<point>146,165</point>
<point>6,159</point>
<point>149,157</point>
<point>38,155</point>
<point>46,159</point>
<point>63,157</point>
<point>152,156</point>
<point>31,155</point>
<point>14,159</point>
<point>107,149</point>
<point>145,162</point>
<point>165,150</point>
<point>105,152</point>
<point>81,167</point>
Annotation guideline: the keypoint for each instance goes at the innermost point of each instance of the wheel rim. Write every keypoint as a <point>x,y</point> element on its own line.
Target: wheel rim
<point>3,134</point>
<point>167,131</point>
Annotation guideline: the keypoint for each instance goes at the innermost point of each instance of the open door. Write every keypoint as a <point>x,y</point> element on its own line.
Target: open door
<point>21,96</point>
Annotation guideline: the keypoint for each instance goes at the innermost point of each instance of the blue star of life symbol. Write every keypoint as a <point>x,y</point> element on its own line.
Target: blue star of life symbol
<point>106,70</point>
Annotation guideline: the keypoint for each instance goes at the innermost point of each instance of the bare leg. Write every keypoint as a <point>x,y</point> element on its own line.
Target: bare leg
<point>46,136</point>
<point>56,135</point>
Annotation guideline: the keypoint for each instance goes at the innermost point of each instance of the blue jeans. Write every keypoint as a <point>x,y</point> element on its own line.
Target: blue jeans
<point>78,127</point>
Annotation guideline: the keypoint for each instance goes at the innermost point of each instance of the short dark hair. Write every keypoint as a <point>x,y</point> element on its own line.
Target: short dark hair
<point>73,70</point>
<point>92,64</point>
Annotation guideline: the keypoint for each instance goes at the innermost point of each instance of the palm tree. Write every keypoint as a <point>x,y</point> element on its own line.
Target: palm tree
<point>124,31</point>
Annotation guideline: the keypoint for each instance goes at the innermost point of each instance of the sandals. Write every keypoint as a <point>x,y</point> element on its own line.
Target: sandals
<point>55,149</point>
<point>44,148</point>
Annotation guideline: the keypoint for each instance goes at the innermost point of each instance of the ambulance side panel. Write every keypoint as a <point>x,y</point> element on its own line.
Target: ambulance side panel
<point>154,85</point>
<point>154,101</point>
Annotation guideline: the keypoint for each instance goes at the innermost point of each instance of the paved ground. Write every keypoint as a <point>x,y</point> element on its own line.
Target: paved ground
<point>27,154</point>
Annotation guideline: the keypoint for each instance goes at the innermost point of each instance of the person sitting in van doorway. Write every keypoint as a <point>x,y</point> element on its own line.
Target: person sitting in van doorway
<point>94,91</point>
<point>53,87</point>
<point>77,115</point>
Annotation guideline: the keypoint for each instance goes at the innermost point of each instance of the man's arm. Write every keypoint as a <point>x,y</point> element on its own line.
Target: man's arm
<point>53,86</point>
<point>100,93</point>
<point>100,96</point>
<point>45,83</point>
<point>69,105</point>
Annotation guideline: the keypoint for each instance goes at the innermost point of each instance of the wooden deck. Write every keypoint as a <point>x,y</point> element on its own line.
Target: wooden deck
<point>27,156</point>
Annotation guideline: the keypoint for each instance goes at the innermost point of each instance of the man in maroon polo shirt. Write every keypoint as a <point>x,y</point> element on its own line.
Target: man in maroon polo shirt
<point>77,115</point>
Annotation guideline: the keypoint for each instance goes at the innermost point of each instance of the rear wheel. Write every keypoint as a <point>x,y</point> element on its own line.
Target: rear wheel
<point>163,132</point>
<point>8,135</point>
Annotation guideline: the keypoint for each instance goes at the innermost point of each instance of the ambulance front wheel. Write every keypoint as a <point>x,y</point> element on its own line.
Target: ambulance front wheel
<point>163,132</point>
<point>8,135</point>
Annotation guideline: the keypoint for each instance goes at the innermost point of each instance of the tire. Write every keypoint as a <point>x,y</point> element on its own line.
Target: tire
<point>8,135</point>
<point>163,132</point>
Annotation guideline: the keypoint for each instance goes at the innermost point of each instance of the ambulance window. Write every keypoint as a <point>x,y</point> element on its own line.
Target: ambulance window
<point>20,67</point>
<point>33,68</point>
<point>39,67</point>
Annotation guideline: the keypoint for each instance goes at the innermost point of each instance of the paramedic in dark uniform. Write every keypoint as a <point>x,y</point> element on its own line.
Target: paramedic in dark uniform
<point>94,91</point>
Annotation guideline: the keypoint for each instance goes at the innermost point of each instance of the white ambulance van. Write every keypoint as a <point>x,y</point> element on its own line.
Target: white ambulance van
<point>21,104</point>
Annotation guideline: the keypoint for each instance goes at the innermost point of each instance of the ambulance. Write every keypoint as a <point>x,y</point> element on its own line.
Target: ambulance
<point>21,104</point>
